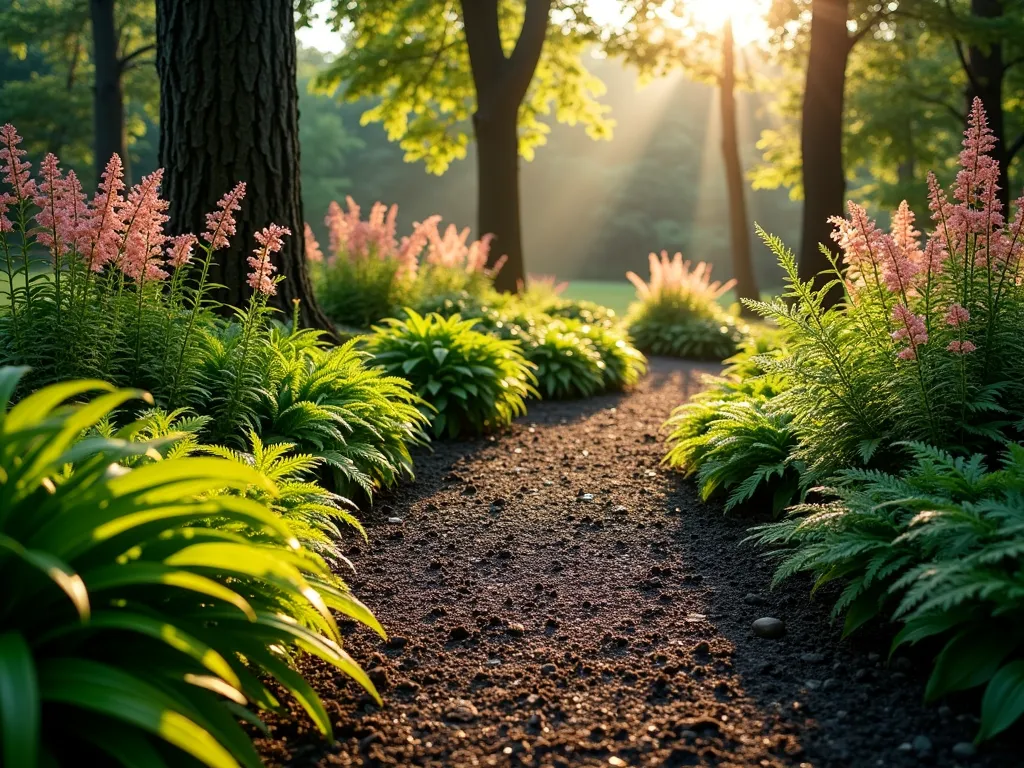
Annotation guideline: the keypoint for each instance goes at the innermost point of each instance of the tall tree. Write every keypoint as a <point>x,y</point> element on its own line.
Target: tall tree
<point>229,113</point>
<point>439,67</point>
<point>739,224</point>
<point>116,38</point>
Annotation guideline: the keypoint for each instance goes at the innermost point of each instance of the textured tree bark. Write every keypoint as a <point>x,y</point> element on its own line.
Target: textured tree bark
<point>229,113</point>
<point>986,70</point>
<point>742,265</point>
<point>501,82</point>
<point>821,133</point>
<point>108,98</point>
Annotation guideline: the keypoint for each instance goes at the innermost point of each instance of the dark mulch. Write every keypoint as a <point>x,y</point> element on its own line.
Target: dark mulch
<point>533,625</point>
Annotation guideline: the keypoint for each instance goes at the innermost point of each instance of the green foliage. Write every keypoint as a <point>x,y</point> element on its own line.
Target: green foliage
<point>471,382</point>
<point>359,293</point>
<point>568,363</point>
<point>412,60</point>
<point>938,548</point>
<point>624,365</point>
<point>677,327</point>
<point>146,608</point>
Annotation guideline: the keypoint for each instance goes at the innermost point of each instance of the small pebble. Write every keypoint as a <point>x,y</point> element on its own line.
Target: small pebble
<point>585,497</point>
<point>964,749</point>
<point>769,628</point>
<point>922,744</point>
<point>395,520</point>
<point>516,629</point>
<point>462,711</point>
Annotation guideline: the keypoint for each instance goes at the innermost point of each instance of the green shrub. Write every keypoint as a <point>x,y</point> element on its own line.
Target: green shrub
<point>568,363</point>
<point>677,312</point>
<point>938,548</point>
<point>473,382</point>
<point>624,365</point>
<point>145,608</point>
<point>362,292</point>
<point>587,312</point>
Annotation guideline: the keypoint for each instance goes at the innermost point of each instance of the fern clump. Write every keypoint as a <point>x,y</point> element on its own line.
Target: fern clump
<point>359,293</point>
<point>470,382</point>
<point>937,548</point>
<point>568,363</point>
<point>677,312</point>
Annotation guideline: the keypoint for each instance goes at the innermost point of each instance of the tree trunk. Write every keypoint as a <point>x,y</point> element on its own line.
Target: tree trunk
<point>821,133</point>
<point>742,266</point>
<point>108,97</point>
<point>229,113</point>
<point>497,143</point>
<point>501,82</point>
<point>985,73</point>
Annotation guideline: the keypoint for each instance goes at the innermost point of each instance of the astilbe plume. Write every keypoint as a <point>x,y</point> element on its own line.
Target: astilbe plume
<point>676,277</point>
<point>144,237</point>
<point>312,247</point>
<point>101,231</point>
<point>179,253</point>
<point>17,172</point>
<point>220,224</point>
<point>270,240</point>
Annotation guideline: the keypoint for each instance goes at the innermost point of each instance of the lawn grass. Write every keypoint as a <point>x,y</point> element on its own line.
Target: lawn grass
<point>614,294</point>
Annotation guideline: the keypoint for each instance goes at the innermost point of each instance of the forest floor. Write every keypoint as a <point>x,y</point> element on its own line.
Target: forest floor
<point>554,597</point>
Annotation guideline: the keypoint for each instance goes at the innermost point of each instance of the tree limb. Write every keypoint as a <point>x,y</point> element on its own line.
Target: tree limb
<point>125,61</point>
<point>483,38</point>
<point>1014,148</point>
<point>528,47</point>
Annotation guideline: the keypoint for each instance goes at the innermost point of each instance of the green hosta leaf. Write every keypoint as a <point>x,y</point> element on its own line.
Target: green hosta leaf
<point>1003,703</point>
<point>19,702</point>
<point>968,660</point>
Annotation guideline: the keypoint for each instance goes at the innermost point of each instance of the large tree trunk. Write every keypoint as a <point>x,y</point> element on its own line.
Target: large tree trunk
<point>821,133</point>
<point>229,113</point>
<point>742,266</point>
<point>108,98</point>
<point>501,82</point>
<point>497,143</point>
<point>985,71</point>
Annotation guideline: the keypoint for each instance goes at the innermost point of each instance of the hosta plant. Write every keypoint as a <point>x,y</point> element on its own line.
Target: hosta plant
<point>624,365</point>
<point>568,363</point>
<point>937,548</point>
<point>147,609</point>
<point>470,382</point>
<point>677,312</point>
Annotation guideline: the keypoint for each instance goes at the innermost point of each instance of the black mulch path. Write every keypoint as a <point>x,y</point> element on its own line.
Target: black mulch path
<point>555,597</point>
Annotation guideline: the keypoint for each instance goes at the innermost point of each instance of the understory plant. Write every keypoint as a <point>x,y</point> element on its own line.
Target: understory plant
<point>150,609</point>
<point>470,382</point>
<point>123,302</point>
<point>568,363</point>
<point>369,274</point>
<point>677,312</point>
<point>937,548</point>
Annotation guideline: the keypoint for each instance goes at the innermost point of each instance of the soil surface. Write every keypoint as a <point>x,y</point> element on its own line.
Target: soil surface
<point>554,597</point>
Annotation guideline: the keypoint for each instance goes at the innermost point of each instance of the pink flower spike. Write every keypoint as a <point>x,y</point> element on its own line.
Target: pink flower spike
<point>313,252</point>
<point>101,232</point>
<point>907,353</point>
<point>957,315</point>
<point>271,240</point>
<point>144,237</point>
<point>6,198</point>
<point>179,254</point>
<point>910,327</point>
<point>961,347</point>
<point>220,225</point>
<point>50,214</point>
<point>16,171</point>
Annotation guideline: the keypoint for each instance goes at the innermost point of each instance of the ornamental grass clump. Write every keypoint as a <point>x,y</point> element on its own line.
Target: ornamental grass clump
<point>470,382</point>
<point>148,609</point>
<point>678,313</point>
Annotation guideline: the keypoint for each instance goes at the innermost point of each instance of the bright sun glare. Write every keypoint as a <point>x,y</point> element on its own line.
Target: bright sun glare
<point>747,17</point>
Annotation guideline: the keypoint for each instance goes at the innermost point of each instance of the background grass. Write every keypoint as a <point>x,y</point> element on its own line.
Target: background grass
<point>612,294</point>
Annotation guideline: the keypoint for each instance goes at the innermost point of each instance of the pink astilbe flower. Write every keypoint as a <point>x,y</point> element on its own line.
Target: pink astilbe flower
<point>6,198</point>
<point>339,223</point>
<point>312,247</point>
<point>979,171</point>
<point>910,327</point>
<point>74,211</point>
<point>934,257</point>
<point>948,224</point>
<point>17,172</point>
<point>53,228</point>
<point>270,240</point>
<point>904,234</point>
<point>674,277</point>
<point>858,238</point>
<point>476,259</point>
<point>412,246</point>
<point>220,224</point>
<point>957,315</point>
<point>101,230</point>
<point>961,347</point>
<point>179,253</point>
<point>144,236</point>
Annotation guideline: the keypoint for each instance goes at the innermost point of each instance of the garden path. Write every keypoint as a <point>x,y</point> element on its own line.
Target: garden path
<point>556,598</point>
